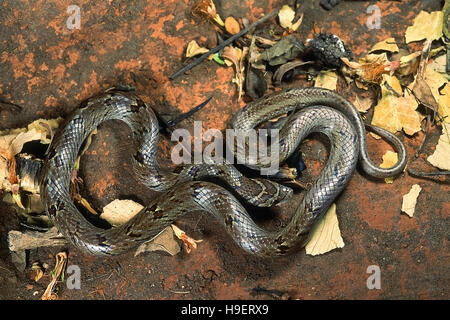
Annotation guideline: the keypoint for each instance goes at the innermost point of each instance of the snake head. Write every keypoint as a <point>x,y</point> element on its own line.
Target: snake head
<point>284,195</point>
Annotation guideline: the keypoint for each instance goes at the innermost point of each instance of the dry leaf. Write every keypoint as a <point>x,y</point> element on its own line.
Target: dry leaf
<point>326,235</point>
<point>385,45</point>
<point>426,26</point>
<point>119,212</point>
<point>394,112</point>
<point>61,261</point>
<point>390,158</point>
<point>439,64</point>
<point>326,79</point>
<point>441,156</point>
<point>236,56</point>
<point>371,67</point>
<point>164,241</point>
<point>189,242</point>
<point>362,104</point>
<point>232,26</point>
<point>194,49</point>
<point>410,200</point>
<point>435,81</point>
<point>207,10</point>
<point>444,103</point>
<point>286,15</point>
<point>39,272</point>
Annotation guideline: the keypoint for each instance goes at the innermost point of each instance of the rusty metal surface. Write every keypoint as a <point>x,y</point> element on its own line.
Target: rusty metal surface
<point>49,69</point>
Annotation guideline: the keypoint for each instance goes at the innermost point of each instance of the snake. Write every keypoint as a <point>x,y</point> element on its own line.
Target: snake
<point>185,190</point>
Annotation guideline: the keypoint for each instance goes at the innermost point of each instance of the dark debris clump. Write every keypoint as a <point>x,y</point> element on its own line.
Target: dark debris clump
<point>329,49</point>
<point>328,4</point>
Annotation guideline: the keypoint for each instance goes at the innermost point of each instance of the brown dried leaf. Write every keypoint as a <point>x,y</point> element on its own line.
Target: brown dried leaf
<point>164,241</point>
<point>371,67</point>
<point>189,242</point>
<point>362,104</point>
<point>231,25</point>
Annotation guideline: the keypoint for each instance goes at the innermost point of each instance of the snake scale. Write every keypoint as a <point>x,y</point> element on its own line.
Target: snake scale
<point>311,110</point>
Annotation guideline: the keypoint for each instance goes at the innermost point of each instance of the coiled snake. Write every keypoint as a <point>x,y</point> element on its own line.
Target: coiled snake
<point>317,110</point>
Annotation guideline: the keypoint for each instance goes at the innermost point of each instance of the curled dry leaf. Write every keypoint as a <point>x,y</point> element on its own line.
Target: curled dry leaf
<point>286,16</point>
<point>426,26</point>
<point>232,26</point>
<point>287,70</point>
<point>440,158</point>
<point>38,269</point>
<point>385,45</point>
<point>389,159</point>
<point>194,49</point>
<point>189,242</point>
<point>410,200</point>
<point>207,10</point>
<point>236,56</point>
<point>371,68</point>
<point>326,79</point>
<point>326,235</point>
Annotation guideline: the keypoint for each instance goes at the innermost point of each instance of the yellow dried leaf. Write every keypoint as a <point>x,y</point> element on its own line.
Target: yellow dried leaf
<point>410,200</point>
<point>390,158</point>
<point>232,26</point>
<point>385,45</point>
<point>395,113</point>
<point>119,212</point>
<point>286,15</point>
<point>435,80</point>
<point>444,104</point>
<point>326,79</point>
<point>326,235</point>
<point>441,156</point>
<point>385,114</point>
<point>426,26</point>
<point>194,49</point>
<point>409,118</point>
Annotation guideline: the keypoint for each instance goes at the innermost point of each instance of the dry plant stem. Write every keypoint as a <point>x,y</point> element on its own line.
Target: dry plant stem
<point>222,45</point>
<point>427,128</point>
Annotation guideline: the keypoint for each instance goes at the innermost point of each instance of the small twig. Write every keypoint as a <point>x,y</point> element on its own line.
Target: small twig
<point>172,123</point>
<point>427,127</point>
<point>222,45</point>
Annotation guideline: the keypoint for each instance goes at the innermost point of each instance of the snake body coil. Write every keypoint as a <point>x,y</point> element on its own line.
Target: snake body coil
<point>317,110</point>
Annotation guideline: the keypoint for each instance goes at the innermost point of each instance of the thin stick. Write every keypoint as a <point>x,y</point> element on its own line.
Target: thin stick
<point>222,45</point>
<point>427,128</point>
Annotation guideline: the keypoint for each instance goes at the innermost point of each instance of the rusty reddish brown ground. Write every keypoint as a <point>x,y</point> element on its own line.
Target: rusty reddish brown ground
<point>49,69</point>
